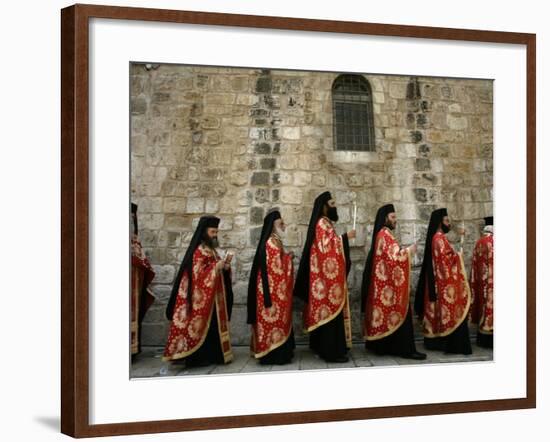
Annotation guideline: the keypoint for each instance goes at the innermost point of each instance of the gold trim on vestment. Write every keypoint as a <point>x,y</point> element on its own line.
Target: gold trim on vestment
<point>328,319</point>
<point>184,354</point>
<point>224,336</point>
<point>273,346</point>
<point>342,305</point>
<point>466,308</point>
<point>390,332</point>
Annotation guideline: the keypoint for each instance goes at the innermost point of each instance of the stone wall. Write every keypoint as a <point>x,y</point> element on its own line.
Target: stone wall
<point>236,142</point>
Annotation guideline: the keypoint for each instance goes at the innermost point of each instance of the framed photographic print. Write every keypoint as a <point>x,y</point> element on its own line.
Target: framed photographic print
<point>299,210</point>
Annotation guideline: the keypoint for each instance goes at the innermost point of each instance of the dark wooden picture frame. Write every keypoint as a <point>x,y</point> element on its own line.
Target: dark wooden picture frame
<point>75,221</point>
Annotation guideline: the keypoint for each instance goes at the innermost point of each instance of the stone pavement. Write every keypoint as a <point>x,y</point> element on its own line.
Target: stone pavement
<point>149,363</point>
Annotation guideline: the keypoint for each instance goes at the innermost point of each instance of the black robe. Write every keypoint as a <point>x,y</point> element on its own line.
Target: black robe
<point>484,340</point>
<point>282,354</point>
<point>457,342</point>
<point>399,343</point>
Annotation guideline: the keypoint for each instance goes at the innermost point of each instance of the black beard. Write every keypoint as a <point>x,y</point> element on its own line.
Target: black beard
<point>390,225</point>
<point>212,242</point>
<point>445,228</point>
<point>332,214</point>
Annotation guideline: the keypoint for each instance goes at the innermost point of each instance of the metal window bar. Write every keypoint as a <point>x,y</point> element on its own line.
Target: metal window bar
<point>353,120</point>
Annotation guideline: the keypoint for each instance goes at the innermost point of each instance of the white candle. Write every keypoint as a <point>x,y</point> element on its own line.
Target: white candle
<point>414,242</point>
<point>354,215</point>
<point>462,238</point>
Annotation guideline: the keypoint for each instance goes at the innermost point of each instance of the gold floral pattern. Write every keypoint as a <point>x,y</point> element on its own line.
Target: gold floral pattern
<point>180,317</point>
<point>282,290</point>
<point>377,317</point>
<point>453,294</point>
<point>319,289</point>
<point>381,271</point>
<point>449,295</point>
<point>388,296</point>
<point>271,314</point>
<point>394,319</point>
<point>481,282</point>
<point>198,298</point>
<point>398,276</point>
<point>179,345</point>
<point>322,313</point>
<point>273,324</point>
<point>394,251</point>
<point>459,312</point>
<point>454,271</point>
<point>259,330</point>
<point>210,279</point>
<point>335,294</point>
<point>330,267</point>
<point>277,266</point>
<point>314,264</point>
<point>445,314</point>
<point>195,327</point>
<point>327,246</point>
<point>189,326</point>
<point>275,336</point>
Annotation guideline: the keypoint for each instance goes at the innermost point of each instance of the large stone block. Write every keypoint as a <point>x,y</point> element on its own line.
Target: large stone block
<point>290,195</point>
<point>457,122</point>
<point>398,90</point>
<point>406,150</point>
<point>302,178</point>
<point>164,274</point>
<point>195,205</point>
<point>291,133</point>
<point>260,179</point>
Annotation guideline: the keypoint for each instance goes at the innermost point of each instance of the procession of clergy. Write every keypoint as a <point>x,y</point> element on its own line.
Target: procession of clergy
<point>201,299</point>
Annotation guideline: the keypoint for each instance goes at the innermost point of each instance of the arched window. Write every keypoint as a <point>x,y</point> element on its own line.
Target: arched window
<point>352,115</point>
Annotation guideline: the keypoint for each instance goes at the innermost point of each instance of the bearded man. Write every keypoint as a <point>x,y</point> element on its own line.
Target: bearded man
<point>387,322</point>
<point>321,283</point>
<point>269,303</point>
<point>200,303</point>
<point>443,293</point>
